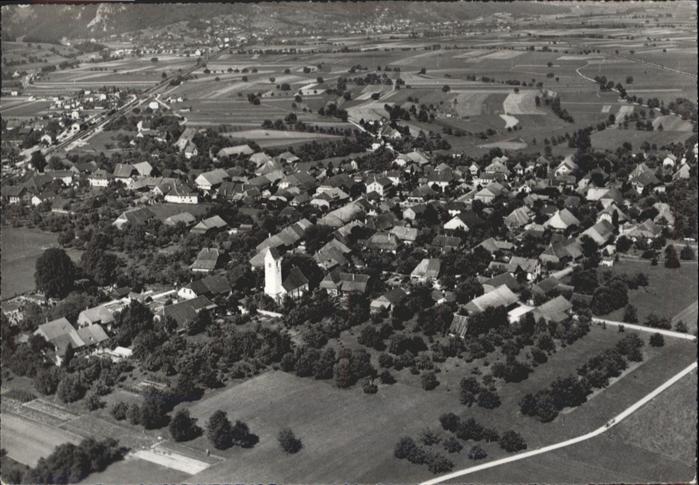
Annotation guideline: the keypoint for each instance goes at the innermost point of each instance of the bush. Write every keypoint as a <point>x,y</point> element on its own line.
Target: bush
<point>477,453</point>
<point>404,448</point>
<point>452,445</point>
<point>449,421</point>
<point>70,388</point>
<point>93,402</point>
<point>120,410</point>
<point>439,464</point>
<point>656,340</point>
<point>429,437</point>
<point>46,380</point>
<point>681,327</point>
<point>512,441</point>
<point>288,441</point>
<point>387,378</point>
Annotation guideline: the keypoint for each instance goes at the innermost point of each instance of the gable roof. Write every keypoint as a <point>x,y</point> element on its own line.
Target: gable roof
<point>60,333</point>
<point>500,296</point>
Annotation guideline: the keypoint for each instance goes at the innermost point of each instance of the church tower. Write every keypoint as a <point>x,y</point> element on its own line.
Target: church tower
<point>273,274</point>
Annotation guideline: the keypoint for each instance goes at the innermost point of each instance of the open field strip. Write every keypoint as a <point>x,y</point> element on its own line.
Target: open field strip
<point>26,441</point>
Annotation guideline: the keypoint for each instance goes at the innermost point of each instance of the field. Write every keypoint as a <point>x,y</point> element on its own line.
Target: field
<point>669,291</point>
<point>272,138</point>
<point>349,436</point>
<point>134,470</point>
<point>656,444</point>
<point>26,441</point>
<point>21,247</point>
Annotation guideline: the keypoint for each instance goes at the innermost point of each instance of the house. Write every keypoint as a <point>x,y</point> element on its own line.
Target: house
<point>277,285</point>
<point>211,286</point>
<point>206,261</point>
<point>407,235</point>
<point>337,283</point>
<point>388,300</point>
<point>490,192</point>
<point>427,270</point>
<point>505,278</point>
<point>562,220</point>
<point>380,185</point>
<point>138,216</point>
<point>181,218</point>
<point>493,246</point>
<point>208,181</point>
<point>176,192</point>
<point>99,315</point>
<point>518,218</point>
<point>237,150</point>
<point>99,178</point>
<point>647,230</point>
<point>556,310</point>
<point>458,326</point>
<point>456,223</point>
<point>61,335</point>
<point>561,251</point>
<point>213,223</point>
<point>383,241</point>
<point>642,177</point>
<point>612,212</point>
<point>445,243</point>
<point>287,237</point>
<point>144,169</point>
<point>500,296</point>
<point>186,311</point>
<point>92,335</point>
<point>333,253</point>
<point>601,232</point>
<point>123,173</point>
<point>190,150</point>
<point>14,194</point>
<point>566,167</point>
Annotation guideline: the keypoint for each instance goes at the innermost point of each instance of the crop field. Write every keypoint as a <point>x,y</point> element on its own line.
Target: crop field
<point>669,291</point>
<point>272,138</point>
<point>21,247</point>
<point>26,441</point>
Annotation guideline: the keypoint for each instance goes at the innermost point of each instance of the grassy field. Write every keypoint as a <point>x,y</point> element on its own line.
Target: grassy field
<point>21,247</point>
<point>349,436</point>
<point>656,444</point>
<point>135,470</point>
<point>669,291</point>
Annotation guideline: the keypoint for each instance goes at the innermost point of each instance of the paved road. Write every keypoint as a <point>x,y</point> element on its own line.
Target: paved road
<point>642,328</point>
<point>602,429</point>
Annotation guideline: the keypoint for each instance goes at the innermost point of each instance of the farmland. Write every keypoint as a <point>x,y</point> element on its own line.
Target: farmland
<point>26,441</point>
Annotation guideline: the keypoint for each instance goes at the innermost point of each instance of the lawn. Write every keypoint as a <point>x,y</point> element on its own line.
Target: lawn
<point>349,436</point>
<point>21,247</point>
<point>669,291</point>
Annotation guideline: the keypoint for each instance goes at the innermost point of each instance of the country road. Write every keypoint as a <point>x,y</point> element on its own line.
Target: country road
<point>602,429</point>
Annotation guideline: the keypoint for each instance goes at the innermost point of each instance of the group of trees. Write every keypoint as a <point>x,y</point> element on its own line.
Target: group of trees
<point>70,463</point>
<point>223,434</point>
<point>572,391</point>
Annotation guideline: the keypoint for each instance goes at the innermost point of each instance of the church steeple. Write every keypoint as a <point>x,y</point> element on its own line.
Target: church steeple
<point>273,274</point>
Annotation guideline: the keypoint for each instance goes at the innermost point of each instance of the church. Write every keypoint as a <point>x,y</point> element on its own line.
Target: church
<point>294,284</point>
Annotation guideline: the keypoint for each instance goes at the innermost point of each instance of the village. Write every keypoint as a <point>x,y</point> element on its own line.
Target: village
<point>328,270</point>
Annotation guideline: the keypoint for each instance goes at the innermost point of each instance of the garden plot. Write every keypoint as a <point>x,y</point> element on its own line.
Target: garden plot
<point>522,103</point>
<point>622,113</point>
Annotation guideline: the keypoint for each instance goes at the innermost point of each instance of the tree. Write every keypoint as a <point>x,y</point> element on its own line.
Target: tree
<point>404,448</point>
<point>134,414</point>
<point>429,381</point>
<point>153,410</point>
<point>488,399</point>
<point>55,273</point>
<point>687,253</point>
<point>630,314</point>
<point>219,430</point>
<point>446,88</point>
<point>241,435</point>
<point>343,373</point>
<point>38,161</point>
<point>46,380</point>
<point>477,453</point>
<point>681,327</point>
<point>288,441</point>
<point>119,410</point>
<point>512,441</point>
<point>671,259</point>
<point>183,427</point>
<point>656,340</point>
<point>70,388</point>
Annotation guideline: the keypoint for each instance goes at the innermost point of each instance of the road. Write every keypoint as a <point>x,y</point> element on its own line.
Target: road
<point>602,429</point>
<point>641,328</point>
